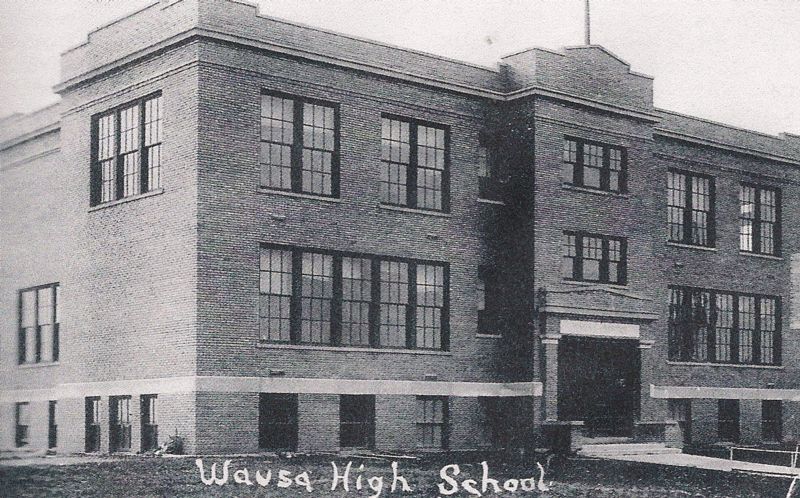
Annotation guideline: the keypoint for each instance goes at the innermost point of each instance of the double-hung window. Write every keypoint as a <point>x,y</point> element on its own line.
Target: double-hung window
<point>414,164</point>
<point>759,219</point>
<point>594,258</point>
<point>432,417</point>
<point>724,327</point>
<point>690,204</point>
<point>594,165</point>
<point>38,339</point>
<point>314,297</point>
<point>299,145</point>
<point>126,150</point>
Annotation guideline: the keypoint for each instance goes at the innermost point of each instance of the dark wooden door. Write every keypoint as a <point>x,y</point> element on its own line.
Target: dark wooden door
<point>598,383</point>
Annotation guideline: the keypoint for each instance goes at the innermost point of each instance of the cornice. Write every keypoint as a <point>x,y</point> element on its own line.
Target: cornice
<point>686,137</point>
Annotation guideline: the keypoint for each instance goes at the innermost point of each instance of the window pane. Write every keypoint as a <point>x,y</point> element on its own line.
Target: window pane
<point>129,150</point>
<point>153,115</point>
<point>676,199</point>
<point>431,165</point>
<point>701,205</point>
<point>318,148</point>
<point>276,291</point>
<point>356,298</point>
<point>569,252</point>
<point>724,327</point>
<point>277,136</point>
<point>394,300</point>
<point>592,254</point>
<point>395,157</point>
<point>747,209</point>
<point>317,291</point>
<point>430,301</point>
<point>768,324</point>
<point>747,325</point>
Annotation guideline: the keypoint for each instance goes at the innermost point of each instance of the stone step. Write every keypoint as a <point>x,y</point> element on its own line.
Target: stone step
<point>627,449</point>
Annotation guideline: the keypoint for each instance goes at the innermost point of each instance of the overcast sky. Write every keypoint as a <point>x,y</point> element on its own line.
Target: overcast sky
<point>734,61</point>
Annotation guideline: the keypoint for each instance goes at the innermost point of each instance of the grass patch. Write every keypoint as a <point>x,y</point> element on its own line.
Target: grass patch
<point>135,476</point>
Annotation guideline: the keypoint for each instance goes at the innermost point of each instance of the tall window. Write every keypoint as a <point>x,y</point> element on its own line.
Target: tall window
<point>432,415</point>
<point>299,145</point>
<point>312,297</point>
<point>690,201</point>
<point>277,421</point>
<point>119,423</point>
<point>728,420</point>
<point>414,164</point>
<point>22,419</point>
<point>276,294</point>
<point>594,258</point>
<point>92,426</point>
<point>356,421</point>
<point>759,219</point>
<point>38,340</point>
<point>317,283</point>
<point>52,426</point>
<point>126,151</point>
<point>356,300</point>
<point>394,303</point>
<point>594,165</point>
<point>430,304</point>
<point>149,421</point>
<point>724,327</point>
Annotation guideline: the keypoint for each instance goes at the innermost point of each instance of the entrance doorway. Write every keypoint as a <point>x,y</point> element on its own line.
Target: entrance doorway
<point>598,383</point>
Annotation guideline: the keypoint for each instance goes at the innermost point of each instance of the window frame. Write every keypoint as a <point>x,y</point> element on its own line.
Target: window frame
<point>677,342</point>
<point>298,142</point>
<point>54,317</point>
<point>578,275</point>
<point>336,323</point>
<point>22,428</point>
<point>421,424</point>
<point>52,424</point>
<point>363,427</point>
<point>732,423</point>
<point>772,422</point>
<point>412,168</point>
<point>757,221</point>
<point>285,428</point>
<point>95,195</point>
<point>148,417</point>
<point>688,208</point>
<point>578,167</point>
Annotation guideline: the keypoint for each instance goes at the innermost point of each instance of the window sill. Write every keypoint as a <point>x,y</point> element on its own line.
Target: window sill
<point>606,193</point>
<point>481,200</point>
<point>299,195</point>
<point>426,212</point>
<point>594,284</point>
<point>130,198</point>
<point>692,246</point>
<point>734,365</point>
<point>350,349</point>
<point>488,336</point>
<point>39,365</point>
<point>762,256</point>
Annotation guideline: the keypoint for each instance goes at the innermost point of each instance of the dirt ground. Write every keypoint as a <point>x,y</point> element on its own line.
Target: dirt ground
<point>143,476</point>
